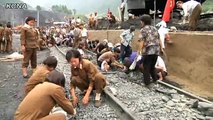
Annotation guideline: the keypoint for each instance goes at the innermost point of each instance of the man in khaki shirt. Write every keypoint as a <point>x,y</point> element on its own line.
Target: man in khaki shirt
<point>41,73</point>
<point>8,37</point>
<point>86,77</point>
<point>1,38</point>
<point>41,100</point>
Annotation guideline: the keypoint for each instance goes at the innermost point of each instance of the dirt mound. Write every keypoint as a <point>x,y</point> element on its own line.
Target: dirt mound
<point>205,24</point>
<point>190,59</point>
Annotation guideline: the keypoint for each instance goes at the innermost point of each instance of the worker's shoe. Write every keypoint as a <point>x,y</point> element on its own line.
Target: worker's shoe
<point>24,73</point>
<point>98,103</point>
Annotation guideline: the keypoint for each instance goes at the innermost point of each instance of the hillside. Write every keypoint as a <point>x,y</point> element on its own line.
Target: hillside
<point>208,6</point>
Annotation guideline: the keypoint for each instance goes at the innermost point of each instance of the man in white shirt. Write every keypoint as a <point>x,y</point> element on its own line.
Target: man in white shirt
<point>84,35</point>
<point>122,9</point>
<point>126,39</point>
<point>161,68</point>
<point>73,21</point>
<point>78,20</point>
<point>95,20</point>
<point>192,9</point>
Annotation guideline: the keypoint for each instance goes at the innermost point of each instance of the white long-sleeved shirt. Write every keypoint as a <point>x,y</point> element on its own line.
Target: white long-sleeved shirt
<point>127,36</point>
<point>189,6</point>
<point>160,63</point>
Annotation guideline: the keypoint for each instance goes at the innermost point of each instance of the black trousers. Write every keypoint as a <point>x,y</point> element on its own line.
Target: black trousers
<point>126,51</point>
<point>149,68</point>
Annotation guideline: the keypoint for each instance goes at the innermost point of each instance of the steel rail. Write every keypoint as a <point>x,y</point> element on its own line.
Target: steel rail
<point>125,114</point>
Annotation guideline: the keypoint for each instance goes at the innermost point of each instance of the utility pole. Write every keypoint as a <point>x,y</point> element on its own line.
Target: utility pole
<point>38,8</point>
<point>154,11</point>
<point>37,18</point>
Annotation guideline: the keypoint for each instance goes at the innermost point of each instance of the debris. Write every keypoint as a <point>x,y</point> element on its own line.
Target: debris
<point>113,90</point>
<point>202,106</point>
<point>12,57</point>
<point>209,112</point>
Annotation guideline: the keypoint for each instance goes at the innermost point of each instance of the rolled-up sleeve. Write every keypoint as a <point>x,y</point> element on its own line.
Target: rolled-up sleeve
<point>62,101</point>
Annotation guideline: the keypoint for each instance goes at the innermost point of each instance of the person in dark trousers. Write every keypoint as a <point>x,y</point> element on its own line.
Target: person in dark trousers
<point>8,37</point>
<point>150,46</point>
<point>126,39</point>
<point>29,45</point>
<point>192,9</point>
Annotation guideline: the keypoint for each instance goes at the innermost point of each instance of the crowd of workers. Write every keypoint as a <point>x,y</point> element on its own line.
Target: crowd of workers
<point>85,75</point>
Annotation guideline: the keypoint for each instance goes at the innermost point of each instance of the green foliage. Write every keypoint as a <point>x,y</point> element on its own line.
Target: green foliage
<point>38,8</point>
<point>208,6</point>
<point>61,9</point>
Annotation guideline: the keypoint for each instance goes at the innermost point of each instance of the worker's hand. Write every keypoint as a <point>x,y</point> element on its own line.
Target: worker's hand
<point>75,101</point>
<point>124,68</point>
<point>161,24</point>
<point>122,40</point>
<point>85,100</point>
<point>23,48</point>
<point>74,113</point>
<point>162,51</point>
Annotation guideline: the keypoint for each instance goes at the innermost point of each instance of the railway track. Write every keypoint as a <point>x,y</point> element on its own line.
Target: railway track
<point>127,98</point>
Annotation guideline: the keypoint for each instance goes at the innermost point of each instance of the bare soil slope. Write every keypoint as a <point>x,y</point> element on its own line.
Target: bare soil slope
<point>190,59</point>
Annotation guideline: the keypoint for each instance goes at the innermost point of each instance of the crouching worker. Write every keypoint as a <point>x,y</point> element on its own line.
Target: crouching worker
<point>135,59</point>
<point>86,77</point>
<point>81,48</point>
<point>161,69</point>
<point>41,73</point>
<point>110,58</point>
<point>41,100</point>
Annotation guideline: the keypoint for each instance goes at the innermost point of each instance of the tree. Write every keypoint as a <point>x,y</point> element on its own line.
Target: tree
<point>74,11</point>
<point>61,9</point>
<point>38,8</point>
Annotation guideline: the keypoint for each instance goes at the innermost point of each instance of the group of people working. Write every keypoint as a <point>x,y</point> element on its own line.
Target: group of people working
<point>45,97</point>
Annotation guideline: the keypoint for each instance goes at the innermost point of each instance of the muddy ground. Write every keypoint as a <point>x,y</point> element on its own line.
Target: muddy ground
<point>190,63</point>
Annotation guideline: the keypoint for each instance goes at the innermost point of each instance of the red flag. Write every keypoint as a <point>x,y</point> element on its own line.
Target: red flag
<point>170,4</point>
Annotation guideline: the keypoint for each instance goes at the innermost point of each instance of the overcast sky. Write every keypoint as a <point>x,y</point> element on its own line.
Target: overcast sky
<point>47,3</point>
<point>80,5</point>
